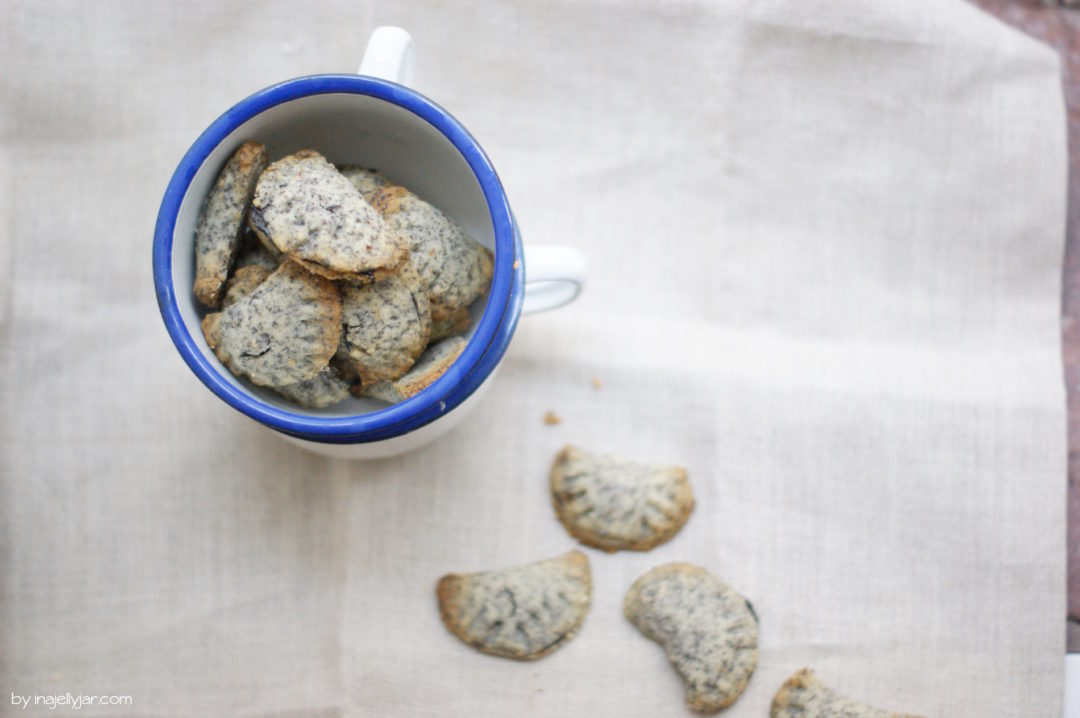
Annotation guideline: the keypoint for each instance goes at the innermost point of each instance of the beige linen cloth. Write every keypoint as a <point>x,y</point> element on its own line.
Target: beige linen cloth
<point>825,241</point>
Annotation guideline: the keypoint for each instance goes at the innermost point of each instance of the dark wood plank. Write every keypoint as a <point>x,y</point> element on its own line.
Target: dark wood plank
<point>1060,28</point>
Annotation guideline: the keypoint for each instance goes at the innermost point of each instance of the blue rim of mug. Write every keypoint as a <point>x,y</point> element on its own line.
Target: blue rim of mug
<point>493,332</point>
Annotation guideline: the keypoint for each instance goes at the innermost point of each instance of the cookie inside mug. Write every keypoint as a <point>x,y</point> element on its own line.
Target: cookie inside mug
<point>349,129</point>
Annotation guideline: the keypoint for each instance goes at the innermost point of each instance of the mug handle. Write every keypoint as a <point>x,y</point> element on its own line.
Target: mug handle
<point>389,55</point>
<point>554,275</point>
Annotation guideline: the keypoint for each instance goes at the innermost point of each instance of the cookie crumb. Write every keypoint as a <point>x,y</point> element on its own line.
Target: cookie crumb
<point>597,384</point>
<point>551,418</point>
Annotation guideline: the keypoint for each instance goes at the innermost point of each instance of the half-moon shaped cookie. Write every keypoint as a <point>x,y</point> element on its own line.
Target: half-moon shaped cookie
<point>523,612</point>
<point>283,332</point>
<point>454,267</point>
<point>430,365</point>
<point>217,231</point>
<point>314,215</point>
<point>615,504</point>
<point>708,631</point>
<point>804,696</point>
<point>386,325</point>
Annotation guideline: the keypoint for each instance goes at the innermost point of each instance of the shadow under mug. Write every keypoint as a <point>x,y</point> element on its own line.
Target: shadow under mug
<point>372,119</point>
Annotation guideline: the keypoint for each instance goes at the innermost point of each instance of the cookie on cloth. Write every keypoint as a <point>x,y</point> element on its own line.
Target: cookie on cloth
<point>217,231</point>
<point>386,325</point>
<point>523,612</point>
<point>708,631</point>
<point>455,268</point>
<point>283,332</point>
<point>804,696</point>
<point>310,212</point>
<point>615,504</point>
<point>429,366</point>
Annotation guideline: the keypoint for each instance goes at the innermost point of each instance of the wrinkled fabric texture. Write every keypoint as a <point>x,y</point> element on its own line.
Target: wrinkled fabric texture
<point>825,240</point>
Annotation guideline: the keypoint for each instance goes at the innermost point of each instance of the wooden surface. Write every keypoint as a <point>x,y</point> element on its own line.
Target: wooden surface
<point>1060,28</point>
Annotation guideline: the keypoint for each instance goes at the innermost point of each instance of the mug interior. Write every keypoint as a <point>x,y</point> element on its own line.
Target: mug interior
<point>358,129</point>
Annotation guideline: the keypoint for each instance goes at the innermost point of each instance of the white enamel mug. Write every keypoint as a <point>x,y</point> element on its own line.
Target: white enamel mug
<point>372,119</point>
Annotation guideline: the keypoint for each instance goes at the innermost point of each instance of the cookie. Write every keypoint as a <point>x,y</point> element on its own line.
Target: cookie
<point>387,325</point>
<point>456,322</point>
<point>804,696</point>
<point>455,268</point>
<point>283,332</point>
<point>217,231</point>
<point>614,504</point>
<point>265,243</point>
<point>708,631</point>
<point>324,389</point>
<point>305,208</point>
<point>253,253</point>
<point>523,612</point>
<point>243,282</point>
<point>366,181</point>
<point>429,366</point>
<point>345,366</point>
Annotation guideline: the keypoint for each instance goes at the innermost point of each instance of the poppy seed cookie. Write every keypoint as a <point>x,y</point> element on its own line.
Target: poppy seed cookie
<point>324,389</point>
<point>254,253</point>
<point>708,631</point>
<point>345,366</point>
<point>283,332</point>
<point>429,366</point>
<point>455,268</point>
<point>217,232</point>
<point>614,504</point>
<point>386,324</point>
<point>456,322</point>
<point>366,181</point>
<point>523,612</point>
<point>305,208</point>
<point>243,283</point>
<point>276,254</point>
<point>804,696</point>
